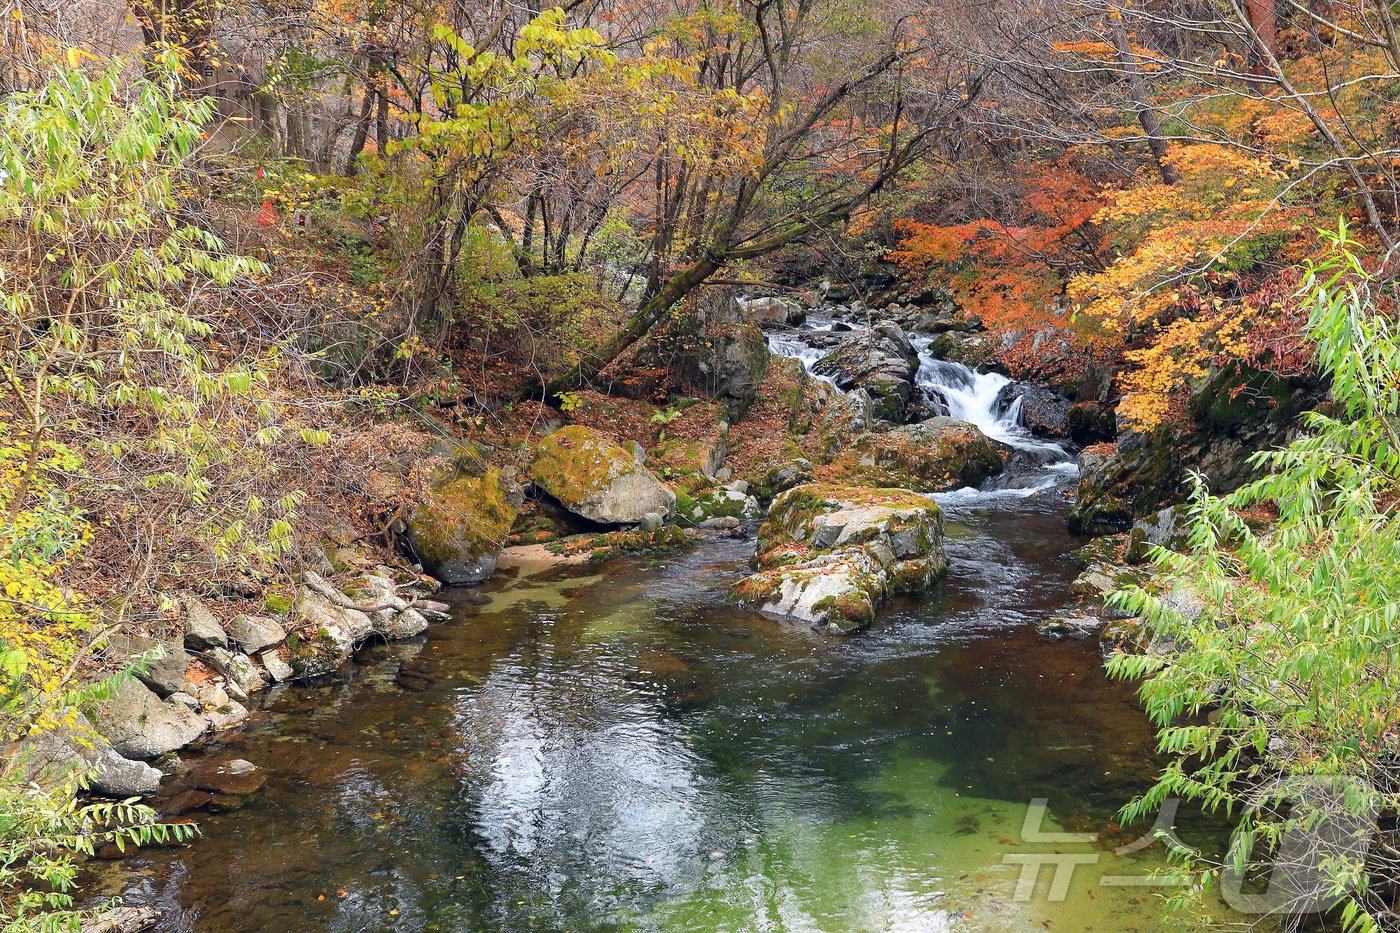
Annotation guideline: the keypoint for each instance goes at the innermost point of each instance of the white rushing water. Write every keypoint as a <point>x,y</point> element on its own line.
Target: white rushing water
<point>969,396</point>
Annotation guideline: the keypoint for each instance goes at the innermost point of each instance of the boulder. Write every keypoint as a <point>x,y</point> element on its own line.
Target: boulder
<point>57,756</point>
<point>782,478</point>
<point>322,653</point>
<point>881,361</point>
<point>318,610</point>
<point>462,522</point>
<point>202,630</point>
<point>1232,415</point>
<point>1091,423</point>
<point>716,502</point>
<point>243,676</point>
<point>227,716</point>
<point>277,668</point>
<point>406,624</point>
<point>165,665</point>
<point>598,479</point>
<point>141,725</point>
<point>933,456</point>
<point>1039,408</point>
<point>774,312</point>
<point>830,555</point>
<point>727,365</point>
<point>254,633</point>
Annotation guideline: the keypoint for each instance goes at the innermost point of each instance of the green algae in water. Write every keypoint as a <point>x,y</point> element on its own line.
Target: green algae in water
<point>626,752</point>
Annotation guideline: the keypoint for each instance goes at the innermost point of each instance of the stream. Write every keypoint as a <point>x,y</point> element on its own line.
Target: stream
<point>616,749</point>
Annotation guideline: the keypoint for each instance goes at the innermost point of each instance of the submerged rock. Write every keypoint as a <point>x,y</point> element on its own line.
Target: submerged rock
<point>933,456</point>
<point>232,776</point>
<point>598,479</point>
<point>1062,628</point>
<point>830,555</point>
<point>459,528</point>
<point>141,725</point>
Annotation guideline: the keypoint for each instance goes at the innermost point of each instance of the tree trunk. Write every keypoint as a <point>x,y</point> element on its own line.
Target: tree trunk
<point>1142,102</point>
<point>1263,21</point>
<point>677,287</point>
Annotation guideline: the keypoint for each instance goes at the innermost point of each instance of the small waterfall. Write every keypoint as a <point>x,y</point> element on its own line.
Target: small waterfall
<point>971,396</point>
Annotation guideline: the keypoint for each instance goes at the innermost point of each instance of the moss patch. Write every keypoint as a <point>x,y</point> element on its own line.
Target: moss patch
<point>611,545</point>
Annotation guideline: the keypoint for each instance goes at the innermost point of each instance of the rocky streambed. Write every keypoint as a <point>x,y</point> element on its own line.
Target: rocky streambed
<point>558,735</point>
<point>619,746</point>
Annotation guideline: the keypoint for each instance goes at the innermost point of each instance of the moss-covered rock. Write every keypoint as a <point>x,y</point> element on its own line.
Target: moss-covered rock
<point>464,519</point>
<point>829,555</point>
<point>881,361</point>
<point>703,505</point>
<point>598,479</point>
<point>1234,413</point>
<point>934,456</point>
<point>611,545</point>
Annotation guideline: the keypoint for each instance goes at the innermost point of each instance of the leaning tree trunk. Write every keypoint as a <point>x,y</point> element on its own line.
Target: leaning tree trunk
<point>677,287</point>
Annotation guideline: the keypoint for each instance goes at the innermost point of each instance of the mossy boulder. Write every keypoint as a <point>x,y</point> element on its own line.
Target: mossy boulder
<point>829,555</point>
<point>596,478</point>
<point>662,542</point>
<point>881,361</point>
<point>458,529</point>
<point>704,505</point>
<point>1233,414</point>
<point>934,456</point>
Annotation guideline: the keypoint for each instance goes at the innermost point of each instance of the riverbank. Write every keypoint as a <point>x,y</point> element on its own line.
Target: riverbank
<point>618,748</point>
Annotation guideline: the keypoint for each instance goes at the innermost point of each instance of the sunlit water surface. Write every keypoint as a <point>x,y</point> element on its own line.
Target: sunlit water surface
<point>618,749</point>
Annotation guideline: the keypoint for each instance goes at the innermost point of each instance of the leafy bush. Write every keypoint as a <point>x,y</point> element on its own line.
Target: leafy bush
<point>1280,658</point>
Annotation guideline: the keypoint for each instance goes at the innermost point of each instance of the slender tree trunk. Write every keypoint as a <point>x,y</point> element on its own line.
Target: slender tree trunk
<point>1263,21</point>
<point>677,287</point>
<point>1142,101</point>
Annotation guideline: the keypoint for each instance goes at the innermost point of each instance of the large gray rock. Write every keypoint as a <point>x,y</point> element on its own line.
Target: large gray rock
<point>165,664</point>
<point>830,555</point>
<point>278,669</point>
<point>244,678</point>
<point>139,724</point>
<point>318,610</point>
<point>202,630</point>
<point>880,361</point>
<point>54,757</point>
<point>254,633</point>
<point>598,479</point>
<point>775,312</point>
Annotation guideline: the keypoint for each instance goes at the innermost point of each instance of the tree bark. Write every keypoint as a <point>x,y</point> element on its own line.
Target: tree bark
<point>1142,101</point>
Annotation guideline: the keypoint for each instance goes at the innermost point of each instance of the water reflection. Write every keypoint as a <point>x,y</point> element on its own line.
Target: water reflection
<point>626,752</point>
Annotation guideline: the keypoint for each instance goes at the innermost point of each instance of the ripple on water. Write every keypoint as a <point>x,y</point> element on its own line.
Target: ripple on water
<point>621,750</point>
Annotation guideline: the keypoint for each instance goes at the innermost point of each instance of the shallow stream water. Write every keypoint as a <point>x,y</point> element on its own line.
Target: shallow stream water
<point>618,749</point>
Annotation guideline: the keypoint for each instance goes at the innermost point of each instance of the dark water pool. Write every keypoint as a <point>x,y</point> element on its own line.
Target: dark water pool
<point>619,750</point>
